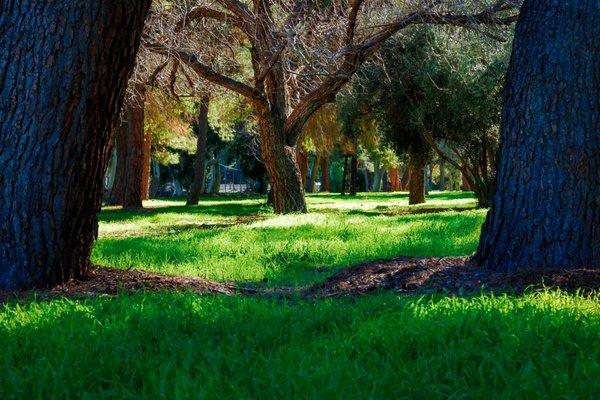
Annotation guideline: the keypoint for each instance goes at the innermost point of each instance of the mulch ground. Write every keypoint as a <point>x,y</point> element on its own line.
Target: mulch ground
<point>451,275</point>
<point>112,281</point>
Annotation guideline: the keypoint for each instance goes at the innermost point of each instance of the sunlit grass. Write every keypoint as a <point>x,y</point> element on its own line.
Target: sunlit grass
<point>212,242</point>
<point>182,346</point>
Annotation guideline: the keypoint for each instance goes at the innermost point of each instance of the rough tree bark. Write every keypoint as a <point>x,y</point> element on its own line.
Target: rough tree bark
<point>72,59</point>
<point>416,180</point>
<point>129,186</point>
<point>198,183</point>
<point>325,185</point>
<point>545,211</point>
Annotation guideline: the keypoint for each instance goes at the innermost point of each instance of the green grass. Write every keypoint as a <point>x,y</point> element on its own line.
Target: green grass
<point>181,346</point>
<point>283,250</point>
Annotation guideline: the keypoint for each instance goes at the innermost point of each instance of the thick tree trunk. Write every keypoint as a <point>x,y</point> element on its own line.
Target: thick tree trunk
<point>416,183</point>
<point>353,175</point>
<point>279,158</point>
<point>325,185</point>
<point>545,212</point>
<point>312,184</point>
<point>63,70</point>
<point>200,162</point>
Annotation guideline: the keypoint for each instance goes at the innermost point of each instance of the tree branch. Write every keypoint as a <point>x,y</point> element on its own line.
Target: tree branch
<point>205,12</point>
<point>204,71</point>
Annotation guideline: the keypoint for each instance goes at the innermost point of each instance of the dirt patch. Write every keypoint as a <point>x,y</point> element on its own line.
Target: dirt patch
<point>452,275</point>
<point>111,281</point>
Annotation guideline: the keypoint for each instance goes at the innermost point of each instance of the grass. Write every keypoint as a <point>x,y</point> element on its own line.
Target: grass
<point>283,250</point>
<point>183,345</point>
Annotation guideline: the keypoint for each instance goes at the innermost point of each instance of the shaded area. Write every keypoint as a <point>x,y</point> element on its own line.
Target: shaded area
<point>111,281</point>
<point>449,275</point>
<point>409,276</point>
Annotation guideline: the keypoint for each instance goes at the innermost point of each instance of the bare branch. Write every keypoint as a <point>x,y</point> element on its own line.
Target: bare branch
<point>203,70</point>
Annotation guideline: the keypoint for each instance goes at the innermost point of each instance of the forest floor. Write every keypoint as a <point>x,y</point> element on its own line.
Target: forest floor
<point>362,297</point>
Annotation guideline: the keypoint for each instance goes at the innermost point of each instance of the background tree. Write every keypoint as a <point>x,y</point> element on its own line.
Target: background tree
<point>54,141</point>
<point>297,55</point>
<point>545,211</point>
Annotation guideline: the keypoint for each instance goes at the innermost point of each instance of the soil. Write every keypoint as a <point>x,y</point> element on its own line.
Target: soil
<point>451,275</point>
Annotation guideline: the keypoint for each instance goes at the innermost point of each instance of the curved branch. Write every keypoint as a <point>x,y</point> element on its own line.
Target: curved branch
<point>202,70</point>
<point>205,12</point>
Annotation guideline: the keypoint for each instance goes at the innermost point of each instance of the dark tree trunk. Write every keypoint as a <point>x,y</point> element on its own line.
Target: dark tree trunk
<point>353,175</point>
<point>312,184</point>
<point>345,175</point>
<point>404,179</point>
<point>545,211</point>
<point>129,186</point>
<point>325,185</point>
<point>416,182</point>
<point>64,66</point>
<point>200,162</point>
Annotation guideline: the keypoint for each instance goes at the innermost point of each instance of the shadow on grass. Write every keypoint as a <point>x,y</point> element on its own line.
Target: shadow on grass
<point>225,209</point>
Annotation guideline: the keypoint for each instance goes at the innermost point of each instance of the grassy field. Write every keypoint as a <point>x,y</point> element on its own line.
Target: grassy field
<point>183,345</point>
<point>284,250</point>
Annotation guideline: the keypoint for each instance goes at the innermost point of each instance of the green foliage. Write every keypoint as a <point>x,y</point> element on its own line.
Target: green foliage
<point>182,346</point>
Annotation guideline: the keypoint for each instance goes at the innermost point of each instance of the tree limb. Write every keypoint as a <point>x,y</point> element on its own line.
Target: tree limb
<point>204,71</point>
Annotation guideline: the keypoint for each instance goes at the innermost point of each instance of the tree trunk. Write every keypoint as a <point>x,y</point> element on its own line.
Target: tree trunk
<point>345,175</point>
<point>216,175</point>
<point>302,158</point>
<point>404,179</point>
<point>146,166</point>
<point>200,162</point>
<point>545,211</point>
<point>366,177</point>
<point>279,158</point>
<point>394,177</point>
<point>442,174</point>
<point>325,185</point>
<point>353,175</point>
<point>63,71</point>
<point>129,185</point>
<point>155,179</point>
<point>377,170</point>
<point>416,182</point>
<point>466,186</point>
<point>312,186</point>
